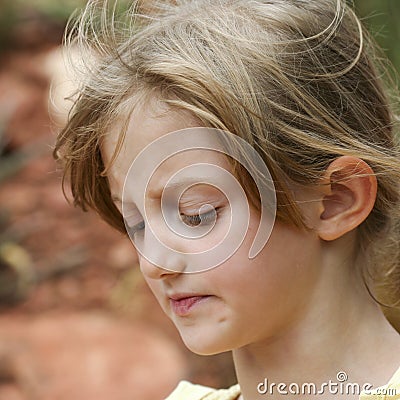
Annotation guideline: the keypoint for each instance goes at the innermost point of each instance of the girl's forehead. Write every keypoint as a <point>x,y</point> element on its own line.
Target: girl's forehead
<point>149,122</point>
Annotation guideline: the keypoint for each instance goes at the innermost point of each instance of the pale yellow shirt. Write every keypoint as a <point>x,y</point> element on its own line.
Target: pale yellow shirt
<point>188,391</point>
<point>390,391</point>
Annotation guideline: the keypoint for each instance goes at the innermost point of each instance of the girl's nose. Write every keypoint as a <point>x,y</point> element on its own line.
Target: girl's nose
<point>161,256</point>
<point>161,251</point>
<point>162,271</point>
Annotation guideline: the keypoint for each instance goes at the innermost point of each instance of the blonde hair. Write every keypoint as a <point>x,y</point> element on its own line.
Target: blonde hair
<point>299,80</point>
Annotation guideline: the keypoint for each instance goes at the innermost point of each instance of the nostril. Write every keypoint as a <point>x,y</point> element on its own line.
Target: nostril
<point>153,271</point>
<point>158,262</point>
<point>148,269</point>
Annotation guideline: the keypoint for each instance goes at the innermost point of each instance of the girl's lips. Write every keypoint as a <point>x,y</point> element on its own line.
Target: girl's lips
<point>182,306</point>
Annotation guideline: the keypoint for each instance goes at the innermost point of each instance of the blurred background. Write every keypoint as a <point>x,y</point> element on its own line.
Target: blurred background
<point>77,320</point>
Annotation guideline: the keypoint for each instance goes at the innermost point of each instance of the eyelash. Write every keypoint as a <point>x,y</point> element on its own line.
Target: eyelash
<point>137,228</point>
<point>206,217</point>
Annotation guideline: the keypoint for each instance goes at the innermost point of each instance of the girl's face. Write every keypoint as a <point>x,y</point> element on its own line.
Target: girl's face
<point>240,302</point>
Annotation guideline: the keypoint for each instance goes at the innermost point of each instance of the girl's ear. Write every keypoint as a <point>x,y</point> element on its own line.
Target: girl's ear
<point>349,189</point>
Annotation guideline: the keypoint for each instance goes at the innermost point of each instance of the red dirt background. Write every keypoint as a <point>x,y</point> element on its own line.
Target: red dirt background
<point>77,320</point>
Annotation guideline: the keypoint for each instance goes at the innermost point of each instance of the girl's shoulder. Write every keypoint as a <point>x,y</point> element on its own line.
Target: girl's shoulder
<point>188,391</point>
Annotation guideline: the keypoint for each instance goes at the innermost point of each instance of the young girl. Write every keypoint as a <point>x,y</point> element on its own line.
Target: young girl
<point>177,98</point>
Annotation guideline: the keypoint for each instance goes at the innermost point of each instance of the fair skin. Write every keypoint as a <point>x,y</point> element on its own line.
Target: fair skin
<point>298,312</point>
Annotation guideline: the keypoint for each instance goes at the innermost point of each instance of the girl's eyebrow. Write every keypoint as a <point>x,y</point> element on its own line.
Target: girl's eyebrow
<point>156,193</point>
<point>187,183</point>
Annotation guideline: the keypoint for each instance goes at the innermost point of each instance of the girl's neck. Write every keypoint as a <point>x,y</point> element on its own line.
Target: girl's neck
<point>345,332</point>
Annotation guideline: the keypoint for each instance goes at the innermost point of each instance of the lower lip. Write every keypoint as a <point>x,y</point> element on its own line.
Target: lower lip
<point>183,307</point>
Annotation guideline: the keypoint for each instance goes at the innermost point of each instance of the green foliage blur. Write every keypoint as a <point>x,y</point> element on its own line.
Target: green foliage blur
<point>59,9</point>
<point>17,15</point>
<point>382,18</point>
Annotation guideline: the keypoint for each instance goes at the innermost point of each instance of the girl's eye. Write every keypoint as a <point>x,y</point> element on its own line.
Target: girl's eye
<point>134,229</point>
<point>191,220</point>
<point>194,220</point>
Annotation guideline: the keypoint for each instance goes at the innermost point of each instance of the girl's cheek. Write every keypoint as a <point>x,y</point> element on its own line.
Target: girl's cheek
<point>157,292</point>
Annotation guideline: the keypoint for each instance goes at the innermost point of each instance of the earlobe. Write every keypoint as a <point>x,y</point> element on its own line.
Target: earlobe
<point>348,197</point>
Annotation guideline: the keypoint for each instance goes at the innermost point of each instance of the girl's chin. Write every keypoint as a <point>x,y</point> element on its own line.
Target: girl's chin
<point>206,351</point>
<point>205,345</point>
